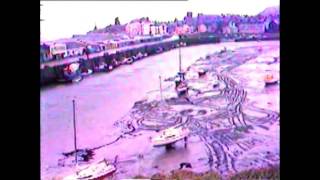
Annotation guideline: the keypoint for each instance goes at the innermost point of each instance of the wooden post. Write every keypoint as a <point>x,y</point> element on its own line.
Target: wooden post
<point>160,88</point>
<point>185,142</point>
<point>75,130</point>
<point>180,69</point>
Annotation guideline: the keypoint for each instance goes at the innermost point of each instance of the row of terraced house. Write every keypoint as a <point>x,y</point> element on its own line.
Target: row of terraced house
<point>115,36</point>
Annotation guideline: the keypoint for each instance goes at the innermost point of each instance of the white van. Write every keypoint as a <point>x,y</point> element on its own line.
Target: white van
<point>58,50</point>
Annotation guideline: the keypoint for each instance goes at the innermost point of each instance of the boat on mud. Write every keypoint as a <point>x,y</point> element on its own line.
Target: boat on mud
<point>127,61</point>
<point>71,73</point>
<point>101,67</point>
<point>270,79</point>
<point>201,73</point>
<point>139,56</point>
<point>170,136</point>
<point>86,72</point>
<point>94,171</point>
<point>182,89</point>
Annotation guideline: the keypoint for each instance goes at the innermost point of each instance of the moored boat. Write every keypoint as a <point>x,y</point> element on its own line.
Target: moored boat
<point>71,73</point>
<point>169,136</point>
<point>270,80</point>
<point>94,171</point>
<point>182,89</point>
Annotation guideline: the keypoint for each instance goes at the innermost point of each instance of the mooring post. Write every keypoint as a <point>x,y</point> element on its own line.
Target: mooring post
<point>75,130</point>
<point>160,88</point>
<point>185,142</point>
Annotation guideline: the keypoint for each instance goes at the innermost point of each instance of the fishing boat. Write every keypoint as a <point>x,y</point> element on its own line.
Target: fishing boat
<point>94,171</point>
<point>169,136</point>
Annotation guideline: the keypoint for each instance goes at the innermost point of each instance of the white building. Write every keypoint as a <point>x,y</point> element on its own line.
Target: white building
<point>133,29</point>
<point>146,28</point>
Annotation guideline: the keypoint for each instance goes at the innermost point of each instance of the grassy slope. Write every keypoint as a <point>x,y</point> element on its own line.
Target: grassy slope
<point>271,173</point>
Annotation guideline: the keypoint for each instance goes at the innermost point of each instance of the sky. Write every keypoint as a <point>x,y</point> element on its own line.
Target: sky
<point>62,19</point>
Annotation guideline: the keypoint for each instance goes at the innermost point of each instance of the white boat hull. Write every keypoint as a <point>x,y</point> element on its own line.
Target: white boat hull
<point>77,79</point>
<point>93,172</point>
<point>169,136</point>
<point>167,142</point>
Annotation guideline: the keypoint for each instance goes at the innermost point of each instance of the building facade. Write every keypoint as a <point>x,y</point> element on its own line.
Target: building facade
<point>249,28</point>
<point>143,27</point>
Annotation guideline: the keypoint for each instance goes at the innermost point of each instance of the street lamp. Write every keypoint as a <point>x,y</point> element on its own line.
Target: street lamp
<point>181,74</point>
<point>180,69</point>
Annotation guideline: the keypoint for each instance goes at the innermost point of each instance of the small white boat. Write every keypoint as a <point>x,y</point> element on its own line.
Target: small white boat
<point>169,136</point>
<point>270,80</point>
<point>201,72</point>
<point>182,89</point>
<point>77,79</point>
<point>130,60</point>
<point>139,56</point>
<point>110,67</point>
<point>94,171</point>
<point>127,61</point>
<point>87,72</point>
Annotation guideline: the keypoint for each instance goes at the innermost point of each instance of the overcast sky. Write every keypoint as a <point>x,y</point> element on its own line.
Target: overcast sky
<point>63,19</point>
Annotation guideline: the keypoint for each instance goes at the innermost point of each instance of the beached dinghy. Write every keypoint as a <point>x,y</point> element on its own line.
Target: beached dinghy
<point>201,73</point>
<point>270,80</point>
<point>86,72</point>
<point>94,171</point>
<point>169,136</point>
<point>182,89</point>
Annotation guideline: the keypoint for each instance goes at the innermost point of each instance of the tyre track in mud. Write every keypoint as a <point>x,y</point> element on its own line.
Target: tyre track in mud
<point>235,97</point>
<point>271,116</point>
<point>219,148</point>
<point>218,152</point>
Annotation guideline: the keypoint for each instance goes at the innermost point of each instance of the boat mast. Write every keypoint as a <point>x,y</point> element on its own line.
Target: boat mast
<point>160,88</point>
<point>75,130</point>
<point>180,54</point>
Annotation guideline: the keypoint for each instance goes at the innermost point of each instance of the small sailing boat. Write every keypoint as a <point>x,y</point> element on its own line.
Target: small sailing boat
<point>95,170</point>
<point>169,136</point>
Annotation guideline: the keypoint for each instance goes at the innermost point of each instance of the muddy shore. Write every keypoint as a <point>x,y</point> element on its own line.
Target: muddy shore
<point>234,127</point>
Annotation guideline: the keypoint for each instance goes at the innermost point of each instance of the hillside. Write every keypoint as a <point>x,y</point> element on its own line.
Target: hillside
<point>270,11</point>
